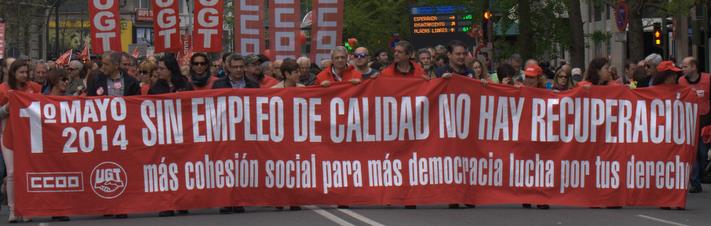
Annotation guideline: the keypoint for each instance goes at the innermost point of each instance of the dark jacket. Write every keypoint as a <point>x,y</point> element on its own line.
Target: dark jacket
<point>161,86</point>
<point>131,86</point>
<point>225,83</point>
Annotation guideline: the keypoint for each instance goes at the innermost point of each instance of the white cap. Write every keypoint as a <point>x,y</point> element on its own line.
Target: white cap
<point>576,71</point>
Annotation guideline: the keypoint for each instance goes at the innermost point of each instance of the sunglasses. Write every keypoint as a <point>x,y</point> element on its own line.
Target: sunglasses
<point>199,63</point>
<point>360,55</point>
<point>144,72</point>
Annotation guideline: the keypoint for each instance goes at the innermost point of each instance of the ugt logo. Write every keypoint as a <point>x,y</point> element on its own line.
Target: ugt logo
<point>108,180</point>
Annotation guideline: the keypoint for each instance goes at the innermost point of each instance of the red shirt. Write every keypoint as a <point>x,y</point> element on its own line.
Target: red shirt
<point>702,88</point>
<point>267,82</point>
<point>31,87</point>
<point>327,75</point>
<point>415,71</point>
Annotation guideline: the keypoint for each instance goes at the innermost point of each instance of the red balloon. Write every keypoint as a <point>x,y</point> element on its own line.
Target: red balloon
<point>301,39</point>
<point>353,42</point>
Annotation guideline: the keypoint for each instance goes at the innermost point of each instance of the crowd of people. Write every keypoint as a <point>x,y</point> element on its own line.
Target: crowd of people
<point>120,74</point>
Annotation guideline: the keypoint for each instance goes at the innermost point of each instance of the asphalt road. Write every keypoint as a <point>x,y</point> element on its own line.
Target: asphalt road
<point>698,212</point>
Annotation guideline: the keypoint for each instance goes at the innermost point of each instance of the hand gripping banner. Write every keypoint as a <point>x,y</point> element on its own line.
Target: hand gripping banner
<point>105,25</point>
<point>387,141</point>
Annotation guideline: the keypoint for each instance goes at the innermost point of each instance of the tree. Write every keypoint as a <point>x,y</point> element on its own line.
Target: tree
<point>577,47</point>
<point>526,44</point>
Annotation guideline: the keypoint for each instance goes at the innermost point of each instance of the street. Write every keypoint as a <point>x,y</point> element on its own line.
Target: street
<point>698,212</point>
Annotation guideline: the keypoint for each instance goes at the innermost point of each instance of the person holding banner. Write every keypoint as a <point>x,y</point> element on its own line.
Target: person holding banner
<point>112,81</point>
<point>254,72</point>
<point>290,70</point>
<point>169,78</point>
<point>235,78</point>
<point>598,73</point>
<point>17,81</point>
<point>361,59</point>
<point>339,70</point>
<point>199,73</point>
<point>402,66</point>
<point>456,52</point>
<point>701,82</point>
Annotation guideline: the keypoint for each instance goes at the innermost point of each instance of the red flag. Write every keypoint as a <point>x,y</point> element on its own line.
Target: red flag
<point>326,28</point>
<point>85,55</point>
<point>249,28</point>
<point>284,28</point>
<point>64,58</point>
<point>135,53</point>
<point>105,26</point>
<point>208,26</point>
<point>166,26</point>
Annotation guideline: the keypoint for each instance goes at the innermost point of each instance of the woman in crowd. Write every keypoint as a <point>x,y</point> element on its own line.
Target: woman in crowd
<point>561,80</point>
<point>170,80</point>
<point>507,74</point>
<point>480,71</point>
<point>147,74</point>
<point>58,82</point>
<point>17,81</point>
<point>598,73</point>
<point>290,71</point>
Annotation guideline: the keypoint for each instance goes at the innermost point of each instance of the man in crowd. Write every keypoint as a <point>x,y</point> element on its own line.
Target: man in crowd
<point>424,57</point>
<point>402,66</point>
<point>129,64</point>
<point>339,71</point>
<point>650,64</point>
<point>308,77</point>
<point>361,59</point>
<point>253,71</point>
<point>456,52</point>
<point>236,79</point>
<point>216,68</point>
<point>276,70</point>
<point>113,81</point>
<point>76,83</point>
<point>40,76</point>
<point>701,83</point>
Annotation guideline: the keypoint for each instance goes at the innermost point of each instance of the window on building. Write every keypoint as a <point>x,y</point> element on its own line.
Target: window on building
<point>597,11</point>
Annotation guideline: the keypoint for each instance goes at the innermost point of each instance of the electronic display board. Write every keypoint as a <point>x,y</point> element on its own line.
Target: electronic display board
<point>439,25</point>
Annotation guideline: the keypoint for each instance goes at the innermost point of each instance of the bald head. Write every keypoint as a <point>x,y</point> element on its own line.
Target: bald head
<point>688,65</point>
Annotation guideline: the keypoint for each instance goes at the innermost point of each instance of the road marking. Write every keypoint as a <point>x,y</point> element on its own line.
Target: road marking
<point>661,220</point>
<point>361,217</point>
<point>330,216</point>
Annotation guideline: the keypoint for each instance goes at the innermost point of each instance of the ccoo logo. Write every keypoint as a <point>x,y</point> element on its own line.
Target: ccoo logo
<point>108,180</point>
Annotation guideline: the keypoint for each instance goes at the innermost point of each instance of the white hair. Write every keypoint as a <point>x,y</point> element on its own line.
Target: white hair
<point>653,59</point>
<point>77,64</point>
<point>339,49</point>
<point>303,60</point>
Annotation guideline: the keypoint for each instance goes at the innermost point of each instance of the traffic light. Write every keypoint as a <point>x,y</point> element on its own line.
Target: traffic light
<point>657,35</point>
<point>486,18</point>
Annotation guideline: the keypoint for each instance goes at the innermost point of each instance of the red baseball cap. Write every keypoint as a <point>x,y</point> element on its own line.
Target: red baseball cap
<point>533,71</point>
<point>667,65</point>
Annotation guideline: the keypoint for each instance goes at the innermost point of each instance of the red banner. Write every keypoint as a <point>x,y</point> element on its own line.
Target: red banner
<point>2,40</point>
<point>208,26</point>
<point>326,28</point>
<point>388,141</point>
<point>284,29</point>
<point>105,25</point>
<point>249,27</point>
<point>166,26</point>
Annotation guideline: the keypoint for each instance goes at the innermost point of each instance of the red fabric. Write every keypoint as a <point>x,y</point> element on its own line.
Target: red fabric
<point>702,90</point>
<point>166,26</point>
<point>208,26</point>
<point>468,152</point>
<point>105,26</point>
<point>268,82</point>
<point>327,75</point>
<point>31,87</point>
<point>392,71</point>
<point>249,27</point>
<point>706,134</point>
<point>144,89</point>
<point>284,28</point>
